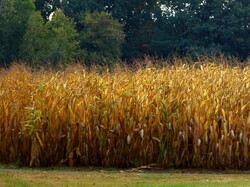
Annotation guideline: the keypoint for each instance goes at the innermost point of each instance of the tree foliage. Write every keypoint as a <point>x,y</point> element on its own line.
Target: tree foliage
<point>77,8</point>
<point>139,17</point>
<point>14,15</point>
<point>99,31</point>
<point>204,27</point>
<point>53,41</point>
<point>101,38</point>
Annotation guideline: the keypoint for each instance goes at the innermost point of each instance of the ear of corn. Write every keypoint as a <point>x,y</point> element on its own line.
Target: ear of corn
<point>181,116</point>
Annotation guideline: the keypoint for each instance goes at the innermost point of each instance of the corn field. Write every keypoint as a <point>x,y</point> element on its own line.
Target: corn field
<point>181,116</point>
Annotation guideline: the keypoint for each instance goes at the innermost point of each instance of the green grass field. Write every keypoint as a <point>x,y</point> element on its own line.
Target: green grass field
<point>98,177</point>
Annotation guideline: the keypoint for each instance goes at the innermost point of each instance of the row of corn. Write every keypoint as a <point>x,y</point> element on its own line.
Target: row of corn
<point>183,116</point>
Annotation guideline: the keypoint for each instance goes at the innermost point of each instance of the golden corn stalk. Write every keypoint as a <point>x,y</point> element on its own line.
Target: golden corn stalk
<point>195,116</point>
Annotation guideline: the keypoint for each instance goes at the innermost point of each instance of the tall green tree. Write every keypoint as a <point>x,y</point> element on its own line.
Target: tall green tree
<point>35,45</point>
<point>54,41</point>
<point>204,27</point>
<point>139,17</point>
<point>101,38</point>
<point>235,29</point>
<point>14,15</point>
<point>77,8</point>
<point>63,38</point>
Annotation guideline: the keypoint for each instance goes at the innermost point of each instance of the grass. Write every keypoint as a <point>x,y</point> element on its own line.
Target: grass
<point>98,177</point>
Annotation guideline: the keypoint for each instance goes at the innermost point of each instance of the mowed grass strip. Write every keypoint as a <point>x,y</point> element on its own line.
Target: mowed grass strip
<point>40,178</point>
<point>181,116</point>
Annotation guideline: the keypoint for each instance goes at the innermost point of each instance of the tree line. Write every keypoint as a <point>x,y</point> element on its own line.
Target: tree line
<point>98,31</point>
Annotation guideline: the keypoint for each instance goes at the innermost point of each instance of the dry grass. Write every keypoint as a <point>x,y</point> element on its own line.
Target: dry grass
<point>181,116</point>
